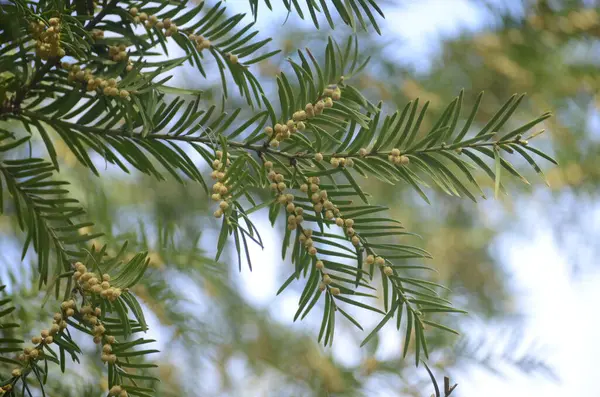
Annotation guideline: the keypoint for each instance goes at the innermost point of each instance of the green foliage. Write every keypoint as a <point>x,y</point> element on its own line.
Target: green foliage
<point>311,145</point>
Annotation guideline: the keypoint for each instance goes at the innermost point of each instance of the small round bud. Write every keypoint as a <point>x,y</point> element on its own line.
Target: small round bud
<point>110,339</point>
<point>355,241</point>
<point>76,275</point>
<point>123,393</point>
<point>70,312</point>
<point>223,205</point>
<point>36,340</point>
<point>54,329</point>
<point>299,210</point>
<point>312,251</point>
<point>318,157</point>
<point>233,59</point>
<point>268,165</point>
<point>395,152</point>
<point>299,116</point>
<point>34,353</point>
<point>124,94</point>
<point>326,279</point>
<point>16,372</point>
<point>98,340</point>
<point>115,390</point>
<point>335,162</point>
<point>304,187</point>
<point>48,340</point>
<point>349,163</point>
<point>269,131</point>
<point>274,143</point>
<point>370,259</point>
<point>309,109</point>
<point>97,311</point>
<point>218,213</point>
<point>379,261</point>
<point>318,208</point>
<point>322,287</point>
<point>167,23</point>
<point>339,222</point>
<point>281,186</point>
<point>299,219</point>
<point>334,291</point>
<point>133,11</point>
<point>290,207</point>
<point>44,333</point>
<point>301,126</point>
<point>223,190</point>
<point>80,267</point>
<point>404,160</point>
<point>216,197</point>
<point>349,222</point>
<point>57,317</point>
<point>388,271</point>
<point>107,348</point>
<point>105,285</point>
<point>319,265</point>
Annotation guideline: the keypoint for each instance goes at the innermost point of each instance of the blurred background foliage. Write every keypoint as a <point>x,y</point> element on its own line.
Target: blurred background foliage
<point>217,340</point>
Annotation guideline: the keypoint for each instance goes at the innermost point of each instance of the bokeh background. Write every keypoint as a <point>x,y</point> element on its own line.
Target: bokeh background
<point>524,265</point>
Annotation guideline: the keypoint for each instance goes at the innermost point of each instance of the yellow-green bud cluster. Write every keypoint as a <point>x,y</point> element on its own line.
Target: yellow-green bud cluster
<point>46,336</point>
<point>202,43</point>
<point>278,186</point>
<point>379,261</point>
<point>118,53</point>
<point>151,21</point>
<point>341,162</point>
<point>398,159</point>
<point>47,43</point>
<point>333,91</point>
<point>97,34</point>
<point>108,87</point>
<point>220,189</point>
<point>306,240</point>
<point>280,132</point>
<point>90,282</point>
